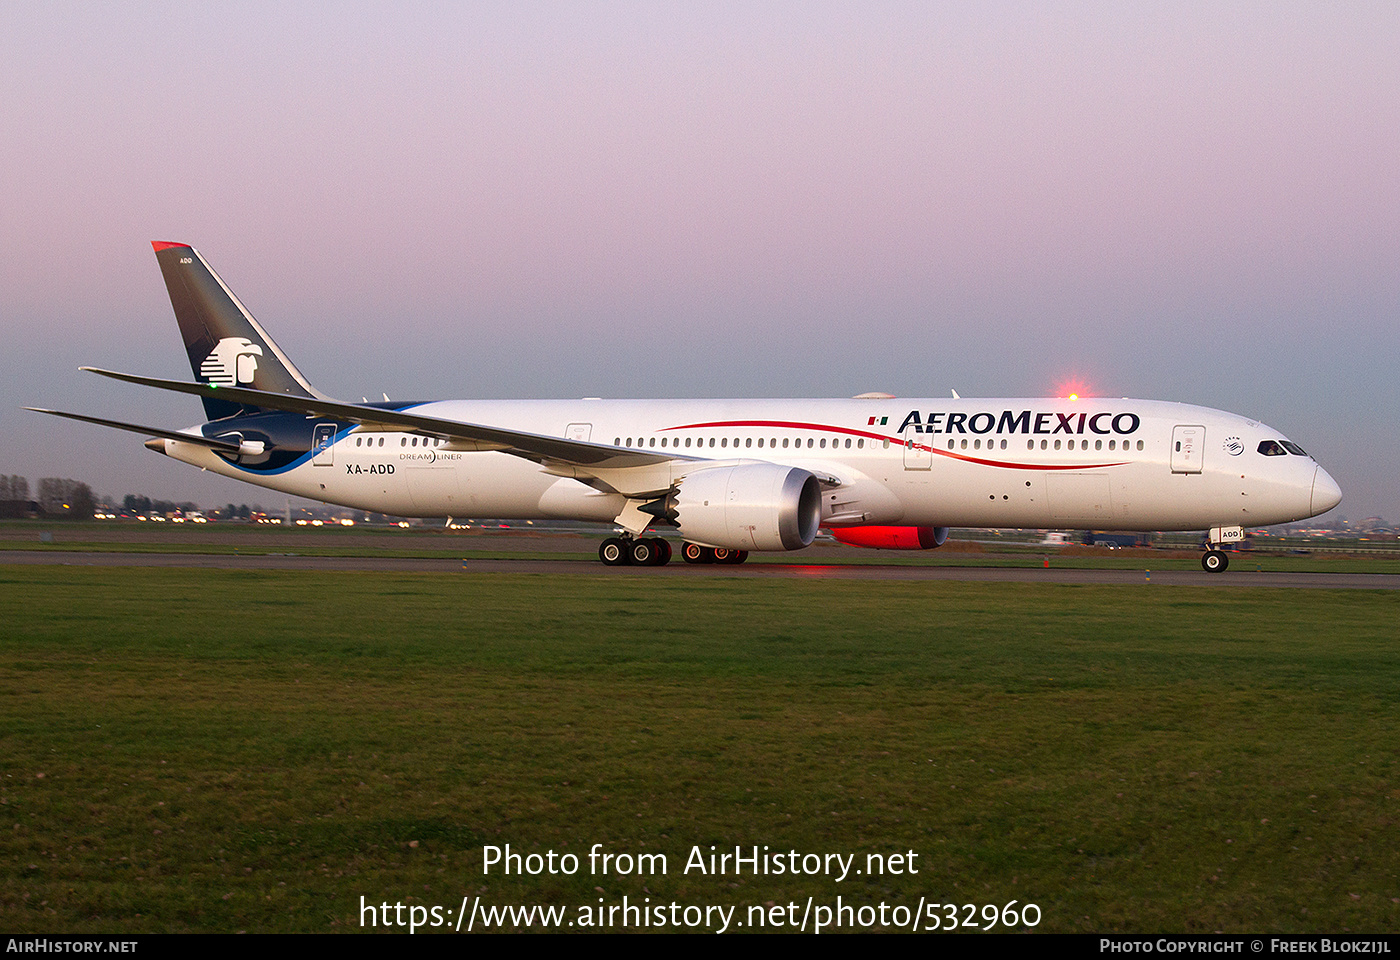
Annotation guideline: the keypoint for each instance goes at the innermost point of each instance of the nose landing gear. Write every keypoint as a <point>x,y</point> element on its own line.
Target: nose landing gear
<point>1215,561</point>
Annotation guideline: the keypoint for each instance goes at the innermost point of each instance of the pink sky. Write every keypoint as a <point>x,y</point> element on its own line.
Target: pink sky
<point>1195,203</point>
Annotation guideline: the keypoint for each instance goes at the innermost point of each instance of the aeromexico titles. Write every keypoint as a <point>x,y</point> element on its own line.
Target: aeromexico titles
<point>726,476</point>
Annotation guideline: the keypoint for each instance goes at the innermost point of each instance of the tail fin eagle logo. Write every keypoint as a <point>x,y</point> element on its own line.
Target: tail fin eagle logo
<point>231,362</point>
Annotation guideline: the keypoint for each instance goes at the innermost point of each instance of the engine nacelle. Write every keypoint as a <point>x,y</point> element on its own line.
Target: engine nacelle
<point>892,538</point>
<point>749,506</point>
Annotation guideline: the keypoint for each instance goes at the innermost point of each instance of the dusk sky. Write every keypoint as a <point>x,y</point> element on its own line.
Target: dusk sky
<point>1185,201</point>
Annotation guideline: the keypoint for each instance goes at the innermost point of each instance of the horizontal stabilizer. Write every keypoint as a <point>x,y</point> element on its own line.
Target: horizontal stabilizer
<point>222,446</point>
<point>530,446</point>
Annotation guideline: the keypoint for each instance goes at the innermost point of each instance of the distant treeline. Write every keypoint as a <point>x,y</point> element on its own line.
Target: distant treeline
<point>58,497</point>
<point>14,488</point>
<point>62,497</point>
<point>133,503</point>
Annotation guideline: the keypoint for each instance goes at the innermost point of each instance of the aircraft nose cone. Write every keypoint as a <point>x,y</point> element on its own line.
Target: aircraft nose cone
<point>1325,492</point>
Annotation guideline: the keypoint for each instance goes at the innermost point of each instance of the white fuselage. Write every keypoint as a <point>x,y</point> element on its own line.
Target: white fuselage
<point>1093,462</point>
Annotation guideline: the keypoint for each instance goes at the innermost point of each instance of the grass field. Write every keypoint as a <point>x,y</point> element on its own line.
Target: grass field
<point>527,543</point>
<point>234,750</point>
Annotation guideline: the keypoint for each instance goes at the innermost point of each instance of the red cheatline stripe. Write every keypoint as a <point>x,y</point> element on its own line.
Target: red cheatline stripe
<point>789,424</point>
<point>799,425</point>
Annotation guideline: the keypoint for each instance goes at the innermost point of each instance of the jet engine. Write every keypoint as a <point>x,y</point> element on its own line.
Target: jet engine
<point>748,506</point>
<point>892,538</point>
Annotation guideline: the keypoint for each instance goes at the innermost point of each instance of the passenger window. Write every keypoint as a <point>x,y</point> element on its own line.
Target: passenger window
<point>1139,444</point>
<point>823,443</point>
<point>964,444</point>
<point>1057,444</point>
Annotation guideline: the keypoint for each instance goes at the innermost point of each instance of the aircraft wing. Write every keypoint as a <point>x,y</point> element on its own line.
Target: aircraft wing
<point>222,446</point>
<point>553,452</point>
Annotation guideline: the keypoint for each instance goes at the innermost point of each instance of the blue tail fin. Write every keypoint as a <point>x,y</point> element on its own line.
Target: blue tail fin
<point>225,344</point>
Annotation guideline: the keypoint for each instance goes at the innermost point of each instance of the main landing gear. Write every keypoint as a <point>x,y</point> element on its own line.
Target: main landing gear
<point>639,551</point>
<point>694,553</point>
<point>655,552</point>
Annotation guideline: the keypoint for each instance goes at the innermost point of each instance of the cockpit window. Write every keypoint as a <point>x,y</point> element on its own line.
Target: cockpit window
<point>1293,448</point>
<point>1271,448</point>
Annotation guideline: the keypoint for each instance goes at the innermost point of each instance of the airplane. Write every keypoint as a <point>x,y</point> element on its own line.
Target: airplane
<point>729,476</point>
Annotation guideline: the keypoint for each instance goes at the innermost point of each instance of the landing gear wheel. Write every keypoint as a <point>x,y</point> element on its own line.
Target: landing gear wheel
<point>663,552</point>
<point>643,552</point>
<point>736,556</point>
<point>722,555</point>
<point>694,553</point>
<point>1215,561</point>
<point>613,552</point>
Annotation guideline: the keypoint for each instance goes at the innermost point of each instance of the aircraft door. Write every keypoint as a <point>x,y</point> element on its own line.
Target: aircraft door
<point>579,431</point>
<point>1188,448</point>
<point>322,439</point>
<point>918,455</point>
